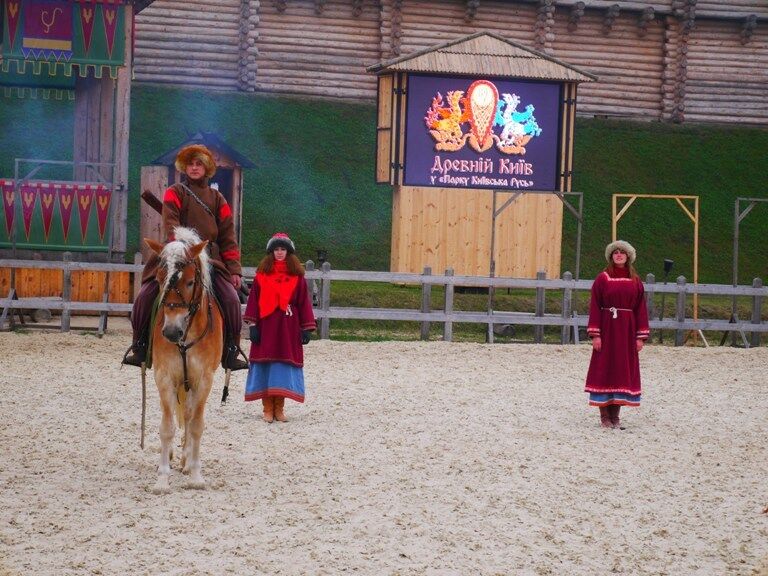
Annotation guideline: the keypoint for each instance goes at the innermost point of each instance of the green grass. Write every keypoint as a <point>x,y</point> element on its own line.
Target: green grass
<point>314,177</point>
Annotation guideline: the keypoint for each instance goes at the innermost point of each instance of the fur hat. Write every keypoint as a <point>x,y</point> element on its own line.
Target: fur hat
<point>280,239</point>
<point>620,245</point>
<point>196,152</point>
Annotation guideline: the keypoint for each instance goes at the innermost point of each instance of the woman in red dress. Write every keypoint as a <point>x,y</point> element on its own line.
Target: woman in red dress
<point>279,310</point>
<point>618,327</point>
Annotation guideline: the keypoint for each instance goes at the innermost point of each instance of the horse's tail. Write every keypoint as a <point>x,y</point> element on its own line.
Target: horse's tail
<point>181,400</point>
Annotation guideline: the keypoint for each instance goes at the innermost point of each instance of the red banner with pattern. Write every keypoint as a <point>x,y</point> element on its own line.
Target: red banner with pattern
<point>6,186</point>
<point>66,202</point>
<point>109,16</point>
<point>47,193</point>
<point>84,202</point>
<point>87,19</point>
<point>13,9</point>
<point>103,197</point>
<point>28,200</point>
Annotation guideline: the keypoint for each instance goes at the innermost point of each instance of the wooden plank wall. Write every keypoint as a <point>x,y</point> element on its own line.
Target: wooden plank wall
<point>190,43</point>
<point>452,227</point>
<point>302,51</point>
<point>321,47</point>
<point>87,286</point>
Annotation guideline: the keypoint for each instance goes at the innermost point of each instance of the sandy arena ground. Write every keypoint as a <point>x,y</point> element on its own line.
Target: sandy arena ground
<point>407,459</point>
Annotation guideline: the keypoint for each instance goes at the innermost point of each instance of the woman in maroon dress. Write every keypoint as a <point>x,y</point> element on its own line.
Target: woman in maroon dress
<point>618,327</point>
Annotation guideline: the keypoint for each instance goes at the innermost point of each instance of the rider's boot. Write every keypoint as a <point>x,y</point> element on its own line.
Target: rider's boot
<point>137,353</point>
<point>230,360</point>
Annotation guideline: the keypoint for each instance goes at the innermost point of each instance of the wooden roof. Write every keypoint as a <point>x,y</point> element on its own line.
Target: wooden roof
<point>139,5</point>
<point>209,140</point>
<point>487,54</point>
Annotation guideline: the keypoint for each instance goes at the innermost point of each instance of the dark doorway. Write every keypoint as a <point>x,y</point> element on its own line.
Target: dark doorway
<point>223,178</point>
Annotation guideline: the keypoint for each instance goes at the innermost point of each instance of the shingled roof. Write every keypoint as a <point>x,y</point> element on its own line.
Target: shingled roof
<point>484,53</point>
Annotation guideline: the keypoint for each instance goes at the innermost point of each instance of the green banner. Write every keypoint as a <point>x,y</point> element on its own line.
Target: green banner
<point>43,40</point>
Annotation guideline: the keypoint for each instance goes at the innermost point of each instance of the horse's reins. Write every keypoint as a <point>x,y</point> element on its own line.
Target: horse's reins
<point>192,308</point>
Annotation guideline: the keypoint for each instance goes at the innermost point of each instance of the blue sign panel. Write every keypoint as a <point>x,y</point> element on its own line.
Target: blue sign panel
<point>482,133</point>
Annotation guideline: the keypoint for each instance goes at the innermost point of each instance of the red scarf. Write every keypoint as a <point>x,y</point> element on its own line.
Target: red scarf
<point>276,289</point>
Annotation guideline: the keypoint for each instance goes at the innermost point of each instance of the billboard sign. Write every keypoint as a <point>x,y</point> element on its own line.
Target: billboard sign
<point>482,133</point>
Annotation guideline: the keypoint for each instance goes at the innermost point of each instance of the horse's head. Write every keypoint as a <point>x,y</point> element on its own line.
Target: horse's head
<point>183,277</point>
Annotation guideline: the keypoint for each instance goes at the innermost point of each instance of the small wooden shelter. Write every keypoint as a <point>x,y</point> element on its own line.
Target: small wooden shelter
<point>162,174</point>
<point>75,206</point>
<point>460,120</point>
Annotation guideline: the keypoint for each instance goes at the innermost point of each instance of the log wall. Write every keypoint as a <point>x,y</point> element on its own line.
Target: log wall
<point>628,61</point>
<point>318,48</point>
<point>676,60</point>
<point>192,43</point>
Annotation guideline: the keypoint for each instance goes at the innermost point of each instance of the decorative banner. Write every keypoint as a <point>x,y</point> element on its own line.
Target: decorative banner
<point>28,200</point>
<point>6,186</point>
<point>103,196</point>
<point>47,195</point>
<point>109,17</point>
<point>13,8</point>
<point>66,202</point>
<point>491,133</point>
<point>47,29</point>
<point>87,18</point>
<point>84,196</point>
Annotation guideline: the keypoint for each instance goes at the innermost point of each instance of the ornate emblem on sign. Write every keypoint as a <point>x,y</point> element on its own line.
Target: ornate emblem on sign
<point>481,119</point>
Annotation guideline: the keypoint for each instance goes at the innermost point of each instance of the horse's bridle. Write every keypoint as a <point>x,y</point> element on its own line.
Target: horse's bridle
<point>192,308</point>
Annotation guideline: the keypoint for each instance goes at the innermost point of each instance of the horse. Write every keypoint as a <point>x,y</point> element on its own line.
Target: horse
<point>187,340</point>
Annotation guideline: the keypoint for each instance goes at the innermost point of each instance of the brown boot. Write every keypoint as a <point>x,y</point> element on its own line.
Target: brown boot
<point>605,418</point>
<point>269,409</point>
<point>614,413</point>
<point>279,414</point>
<point>230,359</point>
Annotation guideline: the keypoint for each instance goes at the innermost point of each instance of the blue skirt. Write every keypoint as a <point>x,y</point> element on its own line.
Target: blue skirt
<point>274,379</point>
<point>614,398</point>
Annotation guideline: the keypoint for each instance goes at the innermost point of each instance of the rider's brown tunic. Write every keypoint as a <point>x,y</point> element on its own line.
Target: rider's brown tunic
<point>218,226</point>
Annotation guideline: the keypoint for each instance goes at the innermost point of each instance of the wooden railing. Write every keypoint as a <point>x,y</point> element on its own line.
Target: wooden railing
<point>569,319</point>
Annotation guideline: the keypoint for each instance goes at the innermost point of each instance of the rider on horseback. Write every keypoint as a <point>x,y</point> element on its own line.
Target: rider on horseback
<point>194,204</point>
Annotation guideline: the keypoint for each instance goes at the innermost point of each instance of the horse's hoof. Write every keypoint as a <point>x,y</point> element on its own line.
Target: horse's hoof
<point>198,484</point>
<point>161,487</point>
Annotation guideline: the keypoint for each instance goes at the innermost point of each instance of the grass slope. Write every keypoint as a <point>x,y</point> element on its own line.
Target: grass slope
<point>314,177</point>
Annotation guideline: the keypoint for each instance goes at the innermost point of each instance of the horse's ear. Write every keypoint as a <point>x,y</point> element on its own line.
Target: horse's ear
<point>194,252</point>
<point>155,246</point>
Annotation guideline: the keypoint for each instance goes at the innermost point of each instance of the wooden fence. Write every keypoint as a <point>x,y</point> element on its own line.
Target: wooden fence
<point>568,319</point>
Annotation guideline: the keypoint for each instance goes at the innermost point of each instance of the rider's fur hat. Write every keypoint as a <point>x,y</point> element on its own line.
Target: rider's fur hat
<point>621,245</point>
<point>281,239</point>
<point>196,152</point>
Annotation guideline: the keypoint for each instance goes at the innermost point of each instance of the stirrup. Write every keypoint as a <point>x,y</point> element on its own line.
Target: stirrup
<point>138,354</point>
<point>231,360</point>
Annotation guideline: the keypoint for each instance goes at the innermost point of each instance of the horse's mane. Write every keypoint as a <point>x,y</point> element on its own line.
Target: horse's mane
<point>174,255</point>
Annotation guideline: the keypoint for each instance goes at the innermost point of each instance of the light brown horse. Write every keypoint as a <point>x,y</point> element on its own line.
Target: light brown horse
<point>187,340</point>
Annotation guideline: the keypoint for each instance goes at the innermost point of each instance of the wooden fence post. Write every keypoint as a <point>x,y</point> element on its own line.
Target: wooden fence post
<point>650,290</point>
<point>757,304</point>
<point>325,302</point>
<point>66,292</point>
<point>448,308</point>
<point>538,331</point>
<point>680,334</point>
<point>137,259</point>
<point>426,301</point>
<point>565,334</point>
<point>309,266</point>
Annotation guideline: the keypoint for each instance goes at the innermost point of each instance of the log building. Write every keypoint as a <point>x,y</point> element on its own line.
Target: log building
<point>663,60</point>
